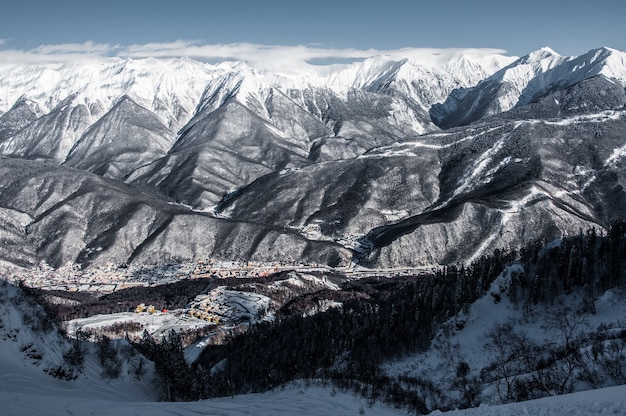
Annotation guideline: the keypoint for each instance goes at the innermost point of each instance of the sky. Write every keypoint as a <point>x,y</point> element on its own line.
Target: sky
<point>35,30</point>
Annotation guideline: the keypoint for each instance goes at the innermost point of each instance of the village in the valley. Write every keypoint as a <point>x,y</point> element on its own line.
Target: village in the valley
<point>109,279</point>
<point>103,280</point>
<point>216,309</point>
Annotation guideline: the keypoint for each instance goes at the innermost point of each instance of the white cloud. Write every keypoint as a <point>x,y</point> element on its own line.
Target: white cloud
<point>164,47</point>
<point>61,53</point>
<point>282,54</point>
<point>75,48</point>
<point>270,54</point>
<point>241,51</point>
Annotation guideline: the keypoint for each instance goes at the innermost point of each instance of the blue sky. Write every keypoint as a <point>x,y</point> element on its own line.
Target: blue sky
<point>112,27</point>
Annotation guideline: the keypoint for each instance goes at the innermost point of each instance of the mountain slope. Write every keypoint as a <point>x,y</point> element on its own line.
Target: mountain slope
<point>17,117</point>
<point>525,81</point>
<point>124,139</point>
<point>32,359</point>
<point>588,96</point>
<point>61,215</point>
<point>451,197</point>
<point>168,87</point>
<point>220,152</point>
<point>51,136</point>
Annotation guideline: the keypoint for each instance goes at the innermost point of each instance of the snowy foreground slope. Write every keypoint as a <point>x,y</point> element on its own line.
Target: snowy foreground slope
<point>26,351</point>
<point>304,401</point>
<point>32,362</point>
<point>608,401</point>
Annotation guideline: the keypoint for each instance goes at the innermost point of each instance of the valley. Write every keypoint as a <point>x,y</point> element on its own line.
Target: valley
<point>110,279</point>
<point>223,299</point>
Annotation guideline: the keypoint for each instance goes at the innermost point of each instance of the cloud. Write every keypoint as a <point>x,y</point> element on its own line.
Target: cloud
<point>61,53</point>
<point>268,54</point>
<point>285,54</point>
<point>240,51</point>
<point>178,46</point>
<point>75,49</point>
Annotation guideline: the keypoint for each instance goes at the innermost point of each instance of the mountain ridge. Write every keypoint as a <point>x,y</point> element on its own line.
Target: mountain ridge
<point>345,158</point>
<point>524,80</point>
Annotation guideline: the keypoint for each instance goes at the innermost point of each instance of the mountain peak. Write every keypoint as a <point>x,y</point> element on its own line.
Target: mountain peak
<point>606,61</point>
<point>541,54</point>
<point>608,50</point>
<point>549,50</point>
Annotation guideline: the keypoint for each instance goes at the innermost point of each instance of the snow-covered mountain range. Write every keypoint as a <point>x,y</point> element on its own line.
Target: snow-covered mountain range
<point>132,161</point>
<point>526,81</point>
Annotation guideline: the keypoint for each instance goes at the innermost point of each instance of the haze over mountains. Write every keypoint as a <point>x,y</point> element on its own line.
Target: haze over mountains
<point>385,162</point>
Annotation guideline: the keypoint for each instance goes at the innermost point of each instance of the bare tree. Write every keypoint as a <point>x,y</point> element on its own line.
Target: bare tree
<point>513,355</point>
<point>566,329</point>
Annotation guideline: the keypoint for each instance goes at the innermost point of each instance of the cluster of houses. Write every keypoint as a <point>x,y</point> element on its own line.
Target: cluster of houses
<point>204,315</point>
<point>142,308</point>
